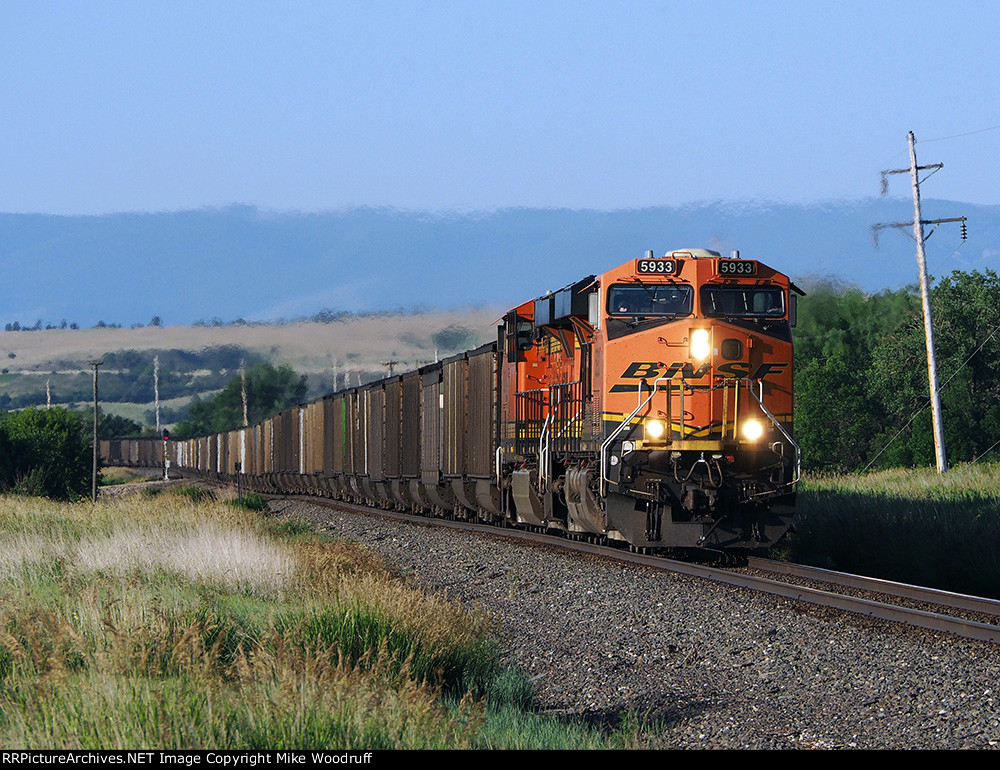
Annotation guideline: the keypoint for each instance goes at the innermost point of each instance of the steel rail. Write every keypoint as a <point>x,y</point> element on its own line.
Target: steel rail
<point>876,585</point>
<point>917,618</point>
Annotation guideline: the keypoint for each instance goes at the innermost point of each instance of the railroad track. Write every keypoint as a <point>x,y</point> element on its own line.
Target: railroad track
<point>970,617</point>
<point>957,614</point>
<point>973,617</point>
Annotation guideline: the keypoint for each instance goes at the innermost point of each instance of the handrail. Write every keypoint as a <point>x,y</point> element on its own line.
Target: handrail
<point>656,387</point>
<point>620,428</point>
<point>569,423</point>
<point>543,451</point>
<point>780,427</point>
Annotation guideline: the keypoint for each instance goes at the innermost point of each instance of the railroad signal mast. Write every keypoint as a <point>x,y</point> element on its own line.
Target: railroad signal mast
<point>918,235</point>
<point>166,455</point>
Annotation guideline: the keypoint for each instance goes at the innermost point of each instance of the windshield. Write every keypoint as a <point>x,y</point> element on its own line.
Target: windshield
<point>652,299</point>
<point>743,301</point>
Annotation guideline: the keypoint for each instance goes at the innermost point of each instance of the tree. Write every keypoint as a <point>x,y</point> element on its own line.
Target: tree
<point>838,416</point>
<point>270,390</point>
<point>116,426</point>
<point>454,337</point>
<point>861,374</point>
<point>966,312</point>
<point>45,452</point>
<point>834,417</point>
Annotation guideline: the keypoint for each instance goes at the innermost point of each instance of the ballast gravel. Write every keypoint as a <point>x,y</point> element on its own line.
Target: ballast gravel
<point>717,667</point>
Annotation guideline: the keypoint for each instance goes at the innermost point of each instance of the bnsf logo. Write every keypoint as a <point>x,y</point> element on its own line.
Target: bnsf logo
<point>642,370</point>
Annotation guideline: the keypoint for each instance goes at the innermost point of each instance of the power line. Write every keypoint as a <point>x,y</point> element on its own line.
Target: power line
<point>941,264</point>
<point>967,133</point>
<point>982,455</point>
<point>927,403</point>
<point>941,139</point>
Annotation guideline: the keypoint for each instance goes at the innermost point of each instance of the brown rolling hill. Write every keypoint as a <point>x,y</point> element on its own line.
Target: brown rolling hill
<point>198,360</point>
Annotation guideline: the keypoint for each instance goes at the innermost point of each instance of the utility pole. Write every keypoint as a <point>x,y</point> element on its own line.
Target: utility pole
<point>391,363</point>
<point>93,486</point>
<point>243,432</point>
<point>918,236</point>
<point>243,389</point>
<point>156,391</point>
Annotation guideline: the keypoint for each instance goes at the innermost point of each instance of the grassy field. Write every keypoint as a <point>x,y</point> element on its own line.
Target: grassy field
<point>910,525</point>
<point>173,621</point>
<point>307,346</point>
<point>139,412</point>
<point>37,363</point>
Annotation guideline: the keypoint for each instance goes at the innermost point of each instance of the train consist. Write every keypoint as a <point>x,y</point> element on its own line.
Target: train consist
<point>650,405</point>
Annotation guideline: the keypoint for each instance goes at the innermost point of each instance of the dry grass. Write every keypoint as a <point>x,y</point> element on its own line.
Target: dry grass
<point>173,624</point>
<point>206,553</point>
<point>24,552</point>
<point>307,347</point>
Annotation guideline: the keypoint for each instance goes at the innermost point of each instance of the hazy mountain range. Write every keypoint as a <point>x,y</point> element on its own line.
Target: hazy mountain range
<point>241,262</point>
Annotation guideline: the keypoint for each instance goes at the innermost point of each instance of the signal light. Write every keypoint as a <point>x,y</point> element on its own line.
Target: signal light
<point>166,436</point>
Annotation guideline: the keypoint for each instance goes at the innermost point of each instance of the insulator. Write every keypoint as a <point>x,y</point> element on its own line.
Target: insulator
<point>965,232</point>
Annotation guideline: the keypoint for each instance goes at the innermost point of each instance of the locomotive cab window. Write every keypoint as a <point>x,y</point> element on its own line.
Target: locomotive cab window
<point>743,301</point>
<point>649,299</point>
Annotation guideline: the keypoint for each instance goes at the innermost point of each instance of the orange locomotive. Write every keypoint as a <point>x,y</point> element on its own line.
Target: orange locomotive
<point>653,404</point>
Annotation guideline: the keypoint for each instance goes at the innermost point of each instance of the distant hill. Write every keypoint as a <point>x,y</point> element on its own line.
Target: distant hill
<point>241,262</point>
<point>197,361</point>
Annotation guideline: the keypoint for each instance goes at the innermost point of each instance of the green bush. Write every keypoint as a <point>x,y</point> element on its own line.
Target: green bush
<point>252,502</point>
<point>195,494</point>
<point>45,452</point>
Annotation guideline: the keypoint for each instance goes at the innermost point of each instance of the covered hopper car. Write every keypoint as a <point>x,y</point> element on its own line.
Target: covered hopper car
<point>651,405</point>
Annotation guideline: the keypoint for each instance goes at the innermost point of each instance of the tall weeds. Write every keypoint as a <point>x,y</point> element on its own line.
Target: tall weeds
<point>908,525</point>
<point>173,622</point>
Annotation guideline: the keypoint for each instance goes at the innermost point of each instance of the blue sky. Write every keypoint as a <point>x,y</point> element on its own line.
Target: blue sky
<point>151,106</point>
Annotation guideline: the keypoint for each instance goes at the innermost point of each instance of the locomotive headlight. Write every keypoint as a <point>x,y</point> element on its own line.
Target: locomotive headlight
<point>700,345</point>
<point>654,429</point>
<point>753,430</point>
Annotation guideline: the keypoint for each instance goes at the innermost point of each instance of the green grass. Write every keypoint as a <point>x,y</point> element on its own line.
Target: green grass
<point>910,525</point>
<point>195,494</point>
<point>179,622</point>
<point>252,501</point>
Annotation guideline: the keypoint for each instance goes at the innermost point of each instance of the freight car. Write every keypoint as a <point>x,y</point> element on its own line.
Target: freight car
<point>651,405</point>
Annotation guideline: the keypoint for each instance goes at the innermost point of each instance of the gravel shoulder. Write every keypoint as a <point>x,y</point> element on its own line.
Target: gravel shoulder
<point>717,667</point>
